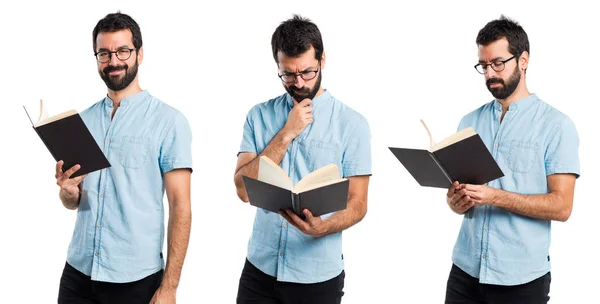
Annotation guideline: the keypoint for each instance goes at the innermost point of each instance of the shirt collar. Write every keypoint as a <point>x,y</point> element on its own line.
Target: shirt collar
<point>519,104</point>
<point>133,99</point>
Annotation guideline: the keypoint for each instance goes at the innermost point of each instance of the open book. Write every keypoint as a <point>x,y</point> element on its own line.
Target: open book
<point>322,191</point>
<point>461,157</point>
<point>68,139</point>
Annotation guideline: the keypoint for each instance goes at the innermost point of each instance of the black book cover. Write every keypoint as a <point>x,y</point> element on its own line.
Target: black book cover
<point>423,166</point>
<point>68,139</point>
<point>467,161</point>
<point>319,201</point>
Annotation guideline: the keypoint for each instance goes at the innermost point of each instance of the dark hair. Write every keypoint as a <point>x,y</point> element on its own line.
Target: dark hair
<point>505,28</point>
<point>295,36</point>
<point>116,22</point>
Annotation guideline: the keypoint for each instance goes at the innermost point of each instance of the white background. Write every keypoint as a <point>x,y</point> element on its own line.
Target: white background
<point>394,64</point>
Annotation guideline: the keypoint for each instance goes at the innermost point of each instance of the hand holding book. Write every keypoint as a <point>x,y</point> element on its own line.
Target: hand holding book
<point>322,191</point>
<point>69,187</point>
<point>69,140</point>
<point>457,198</point>
<point>462,157</point>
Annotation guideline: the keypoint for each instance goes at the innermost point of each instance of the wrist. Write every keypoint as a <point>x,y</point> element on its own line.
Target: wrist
<point>168,288</point>
<point>324,229</point>
<point>168,285</point>
<point>287,136</point>
<point>494,197</point>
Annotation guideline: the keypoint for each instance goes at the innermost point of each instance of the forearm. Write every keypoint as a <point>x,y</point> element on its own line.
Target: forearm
<point>178,236</point>
<point>69,200</point>
<point>551,206</point>
<point>344,219</point>
<point>275,151</point>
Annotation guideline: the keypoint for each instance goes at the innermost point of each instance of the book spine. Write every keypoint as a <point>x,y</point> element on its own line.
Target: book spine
<point>296,203</point>
<point>448,177</point>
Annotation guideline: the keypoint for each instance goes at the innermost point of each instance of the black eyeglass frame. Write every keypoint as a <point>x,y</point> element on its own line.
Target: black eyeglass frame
<point>300,74</point>
<point>116,54</point>
<point>484,66</point>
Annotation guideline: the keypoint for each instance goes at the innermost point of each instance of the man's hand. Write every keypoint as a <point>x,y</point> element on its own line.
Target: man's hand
<point>69,187</point>
<point>163,296</point>
<point>312,225</point>
<point>480,194</point>
<point>457,198</point>
<point>300,116</point>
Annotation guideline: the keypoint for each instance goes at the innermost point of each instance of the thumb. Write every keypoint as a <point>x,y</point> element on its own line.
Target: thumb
<point>307,214</point>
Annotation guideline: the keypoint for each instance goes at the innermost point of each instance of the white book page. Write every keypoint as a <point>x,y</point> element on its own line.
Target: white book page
<point>270,172</point>
<point>322,176</point>
<point>454,138</point>
<point>44,119</point>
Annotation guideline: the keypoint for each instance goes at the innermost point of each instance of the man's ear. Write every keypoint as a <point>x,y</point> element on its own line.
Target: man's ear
<point>140,55</point>
<point>524,60</point>
<point>323,60</point>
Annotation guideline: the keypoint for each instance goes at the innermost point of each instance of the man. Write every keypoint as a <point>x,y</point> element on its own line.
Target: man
<point>115,255</point>
<point>291,260</point>
<point>502,251</point>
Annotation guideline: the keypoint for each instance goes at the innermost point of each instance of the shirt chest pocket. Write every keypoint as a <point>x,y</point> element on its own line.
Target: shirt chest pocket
<point>321,153</point>
<point>134,151</point>
<point>522,156</point>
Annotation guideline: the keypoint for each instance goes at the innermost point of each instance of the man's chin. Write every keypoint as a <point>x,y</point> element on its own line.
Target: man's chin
<point>299,98</point>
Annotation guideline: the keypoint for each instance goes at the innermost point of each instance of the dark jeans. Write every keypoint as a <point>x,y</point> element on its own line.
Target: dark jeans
<point>77,288</point>
<point>465,289</point>
<point>257,287</point>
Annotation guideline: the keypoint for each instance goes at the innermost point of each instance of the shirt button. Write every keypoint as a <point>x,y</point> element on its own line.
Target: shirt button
<point>101,195</point>
<point>98,225</point>
<point>96,254</point>
<point>284,225</point>
<point>292,169</point>
<point>483,256</point>
<point>485,227</point>
<point>107,141</point>
<point>496,145</point>
<point>281,254</point>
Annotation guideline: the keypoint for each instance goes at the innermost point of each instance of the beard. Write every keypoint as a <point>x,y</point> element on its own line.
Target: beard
<point>505,90</point>
<point>119,82</point>
<point>305,92</point>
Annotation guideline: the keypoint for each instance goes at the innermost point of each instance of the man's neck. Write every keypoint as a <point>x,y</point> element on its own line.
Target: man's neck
<point>520,93</point>
<point>319,92</point>
<point>117,96</point>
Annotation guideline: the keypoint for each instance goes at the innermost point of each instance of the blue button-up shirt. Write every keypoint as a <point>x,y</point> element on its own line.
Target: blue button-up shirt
<point>337,135</point>
<point>119,232</point>
<point>533,141</point>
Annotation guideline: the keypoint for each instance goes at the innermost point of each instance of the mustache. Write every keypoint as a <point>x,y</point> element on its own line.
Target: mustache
<point>110,68</point>
<point>304,90</point>
<point>494,80</point>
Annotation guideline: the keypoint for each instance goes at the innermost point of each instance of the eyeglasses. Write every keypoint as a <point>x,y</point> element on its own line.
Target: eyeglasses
<point>497,65</point>
<point>122,54</point>
<point>306,75</point>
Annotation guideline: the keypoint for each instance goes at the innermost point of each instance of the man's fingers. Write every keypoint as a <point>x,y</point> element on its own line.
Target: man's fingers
<point>70,172</point>
<point>451,189</point>
<point>472,187</point>
<point>305,102</point>
<point>59,171</point>
<point>298,222</point>
<point>308,215</point>
<point>287,218</point>
<point>473,194</point>
<point>78,179</point>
